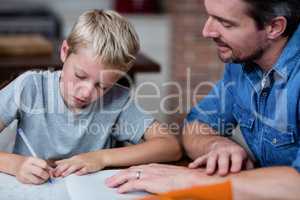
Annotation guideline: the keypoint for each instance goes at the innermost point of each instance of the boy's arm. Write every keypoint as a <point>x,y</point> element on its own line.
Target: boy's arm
<point>26,169</point>
<point>159,146</point>
<point>8,162</point>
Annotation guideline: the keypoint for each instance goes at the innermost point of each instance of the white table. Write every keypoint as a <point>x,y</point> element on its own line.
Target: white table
<point>89,187</point>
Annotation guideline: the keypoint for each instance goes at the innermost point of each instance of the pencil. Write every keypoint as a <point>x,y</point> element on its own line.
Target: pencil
<point>32,152</point>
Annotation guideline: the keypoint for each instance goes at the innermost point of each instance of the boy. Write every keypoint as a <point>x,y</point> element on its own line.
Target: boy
<point>73,116</point>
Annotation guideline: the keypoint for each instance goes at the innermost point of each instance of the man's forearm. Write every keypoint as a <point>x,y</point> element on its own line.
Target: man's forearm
<point>198,139</point>
<point>266,183</point>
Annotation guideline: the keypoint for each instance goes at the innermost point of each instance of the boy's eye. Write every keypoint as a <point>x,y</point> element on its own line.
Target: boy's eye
<point>79,76</point>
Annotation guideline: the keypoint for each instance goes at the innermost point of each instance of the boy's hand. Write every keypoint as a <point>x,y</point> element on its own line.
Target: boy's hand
<point>32,170</point>
<point>80,164</point>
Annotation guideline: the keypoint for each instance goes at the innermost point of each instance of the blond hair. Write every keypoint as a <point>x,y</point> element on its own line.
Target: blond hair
<point>111,37</point>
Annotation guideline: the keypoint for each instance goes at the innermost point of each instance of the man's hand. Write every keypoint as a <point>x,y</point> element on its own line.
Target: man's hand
<point>158,178</point>
<point>224,157</point>
<point>80,164</point>
<point>32,170</point>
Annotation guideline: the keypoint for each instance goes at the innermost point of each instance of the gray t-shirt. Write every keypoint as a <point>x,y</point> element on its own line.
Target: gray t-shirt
<point>54,131</point>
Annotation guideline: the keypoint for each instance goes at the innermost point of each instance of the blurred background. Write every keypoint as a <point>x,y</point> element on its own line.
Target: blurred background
<point>172,47</point>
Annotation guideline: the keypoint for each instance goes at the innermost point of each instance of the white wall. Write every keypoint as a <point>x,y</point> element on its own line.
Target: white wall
<point>69,10</point>
<point>154,32</point>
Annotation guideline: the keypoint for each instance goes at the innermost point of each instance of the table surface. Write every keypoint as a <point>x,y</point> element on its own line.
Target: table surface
<point>73,187</point>
<point>11,189</point>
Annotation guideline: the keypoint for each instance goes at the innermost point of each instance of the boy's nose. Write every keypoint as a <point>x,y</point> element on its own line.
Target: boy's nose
<point>87,91</point>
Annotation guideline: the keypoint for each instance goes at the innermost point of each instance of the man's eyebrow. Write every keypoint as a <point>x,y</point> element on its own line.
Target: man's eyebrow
<point>225,20</point>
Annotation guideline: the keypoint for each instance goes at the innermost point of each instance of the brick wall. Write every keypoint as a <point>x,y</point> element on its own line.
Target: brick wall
<point>194,62</point>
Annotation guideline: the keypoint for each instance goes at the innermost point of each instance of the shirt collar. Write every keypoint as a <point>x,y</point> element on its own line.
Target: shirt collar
<point>290,54</point>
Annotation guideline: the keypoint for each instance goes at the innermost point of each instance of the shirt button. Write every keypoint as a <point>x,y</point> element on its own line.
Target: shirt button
<point>264,94</point>
<point>274,141</point>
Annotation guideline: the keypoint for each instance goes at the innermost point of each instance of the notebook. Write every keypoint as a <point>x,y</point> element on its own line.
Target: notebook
<point>73,187</point>
<point>92,187</point>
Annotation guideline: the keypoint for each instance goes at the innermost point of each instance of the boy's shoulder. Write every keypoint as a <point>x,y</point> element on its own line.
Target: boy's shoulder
<point>35,78</point>
<point>34,74</point>
<point>35,82</point>
<point>118,96</point>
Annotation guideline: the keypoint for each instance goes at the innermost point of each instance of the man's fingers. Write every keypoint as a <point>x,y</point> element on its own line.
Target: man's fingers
<point>121,178</point>
<point>211,164</point>
<point>198,162</point>
<point>223,164</point>
<point>249,164</point>
<point>134,186</point>
<point>236,163</point>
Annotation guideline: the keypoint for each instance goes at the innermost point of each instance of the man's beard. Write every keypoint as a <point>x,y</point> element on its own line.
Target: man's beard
<point>255,55</point>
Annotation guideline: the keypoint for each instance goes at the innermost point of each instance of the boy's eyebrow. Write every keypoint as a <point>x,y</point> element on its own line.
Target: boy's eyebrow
<point>103,84</point>
<point>80,70</point>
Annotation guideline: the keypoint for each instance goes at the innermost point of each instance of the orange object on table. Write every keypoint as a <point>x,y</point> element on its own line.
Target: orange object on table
<point>220,191</point>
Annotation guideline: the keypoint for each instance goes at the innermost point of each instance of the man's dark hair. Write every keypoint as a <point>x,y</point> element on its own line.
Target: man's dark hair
<point>263,11</point>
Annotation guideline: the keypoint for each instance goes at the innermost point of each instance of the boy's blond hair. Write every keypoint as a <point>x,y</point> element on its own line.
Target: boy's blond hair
<point>111,37</point>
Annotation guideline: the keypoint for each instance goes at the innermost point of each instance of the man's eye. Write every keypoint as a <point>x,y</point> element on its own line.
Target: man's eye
<point>226,24</point>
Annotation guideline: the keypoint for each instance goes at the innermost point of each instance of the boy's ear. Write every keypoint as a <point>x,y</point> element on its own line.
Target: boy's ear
<point>276,27</point>
<point>64,51</point>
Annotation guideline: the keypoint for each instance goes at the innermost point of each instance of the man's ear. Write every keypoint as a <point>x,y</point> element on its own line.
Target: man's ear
<point>64,51</point>
<point>276,27</point>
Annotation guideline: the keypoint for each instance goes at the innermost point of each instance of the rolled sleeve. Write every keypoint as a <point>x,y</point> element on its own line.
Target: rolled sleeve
<point>296,163</point>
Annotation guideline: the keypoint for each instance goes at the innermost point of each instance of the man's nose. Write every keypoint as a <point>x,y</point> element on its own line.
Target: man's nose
<point>210,29</point>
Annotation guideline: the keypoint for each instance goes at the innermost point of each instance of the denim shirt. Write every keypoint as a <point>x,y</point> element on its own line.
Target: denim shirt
<point>266,106</point>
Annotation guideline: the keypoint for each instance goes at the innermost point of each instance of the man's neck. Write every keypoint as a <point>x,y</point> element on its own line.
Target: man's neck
<point>271,55</point>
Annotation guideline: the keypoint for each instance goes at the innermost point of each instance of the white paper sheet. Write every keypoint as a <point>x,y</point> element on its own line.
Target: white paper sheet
<point>12,189</point>
<point>92,187</point>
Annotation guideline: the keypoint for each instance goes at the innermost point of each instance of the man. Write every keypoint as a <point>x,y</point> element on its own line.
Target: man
<point>260,43</point>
